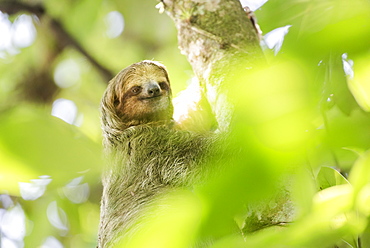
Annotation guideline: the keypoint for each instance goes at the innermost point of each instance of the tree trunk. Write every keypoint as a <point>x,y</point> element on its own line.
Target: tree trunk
<point>215,36</point>
<point>221,41</point>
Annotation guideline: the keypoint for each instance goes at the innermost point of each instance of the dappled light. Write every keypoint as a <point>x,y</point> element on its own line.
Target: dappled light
<point>191,96</point>
<point>58,218</point>
<point>67,73</point>
<point>66,110</point>
<point>115,24</point>
<point>35,189</point>
<point>167,223</point>
<point>23,31</point>
<point>19,34</point>
<point>51,242</point>
<point>76,191</point>
<point>13,226</point>
<point>275,105</point>
<point>293,156</point>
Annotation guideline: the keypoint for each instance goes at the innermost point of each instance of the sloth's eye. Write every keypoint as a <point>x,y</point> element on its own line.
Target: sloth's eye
<point>163,85</point>
<point>136,90</point>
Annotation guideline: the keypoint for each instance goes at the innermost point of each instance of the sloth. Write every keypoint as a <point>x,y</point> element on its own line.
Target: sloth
<point>147,155</point>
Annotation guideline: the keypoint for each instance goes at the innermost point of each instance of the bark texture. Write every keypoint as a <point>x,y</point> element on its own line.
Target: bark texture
<point>215,35</point>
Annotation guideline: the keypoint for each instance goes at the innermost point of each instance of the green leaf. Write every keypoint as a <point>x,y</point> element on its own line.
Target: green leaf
<point>360,173</point>
<point>359,86</point>
<point>35,143</point>
<point>338,87</point>
<point>328,177</point>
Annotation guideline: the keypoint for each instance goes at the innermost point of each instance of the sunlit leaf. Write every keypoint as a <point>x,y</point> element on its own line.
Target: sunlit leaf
<point>360,85</point>
<point>274,104</point>
<point>45,145</point>
<point>12,172</point>
<point>330,219</point>
<point>360,173</point>
<point>336,86</point>
<point>346,134</point>
<point>365,237</point>
<point>328,177</point>
<point>320,26</point>
<point>173,222</point>
<point>342,25</point>
<point>334,200</point>
<point>363,200</point>
<point>304,232</point>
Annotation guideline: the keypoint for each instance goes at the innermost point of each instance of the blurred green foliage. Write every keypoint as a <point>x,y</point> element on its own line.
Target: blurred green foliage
<point>303,119</point>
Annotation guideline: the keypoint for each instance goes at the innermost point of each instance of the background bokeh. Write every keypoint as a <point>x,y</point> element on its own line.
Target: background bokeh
<point>305,118</point>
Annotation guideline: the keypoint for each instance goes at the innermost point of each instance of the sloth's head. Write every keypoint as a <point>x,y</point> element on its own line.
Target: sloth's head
<point>138,94</point>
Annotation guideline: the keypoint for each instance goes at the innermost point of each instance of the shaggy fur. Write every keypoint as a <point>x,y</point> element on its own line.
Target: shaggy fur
<point>121,107</point>
<point>146,155</point>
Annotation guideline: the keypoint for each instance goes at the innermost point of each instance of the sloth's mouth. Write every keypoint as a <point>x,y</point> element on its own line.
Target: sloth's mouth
<point>150,97</point>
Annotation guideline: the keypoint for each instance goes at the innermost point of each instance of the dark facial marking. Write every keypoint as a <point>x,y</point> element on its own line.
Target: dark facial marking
<point>116,101</point>
<point>164,86</point>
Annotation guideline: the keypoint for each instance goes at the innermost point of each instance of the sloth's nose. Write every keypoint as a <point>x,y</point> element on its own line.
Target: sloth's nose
<point>153,89</point>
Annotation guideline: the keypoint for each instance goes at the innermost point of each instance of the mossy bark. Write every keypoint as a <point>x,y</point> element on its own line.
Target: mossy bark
<point>215,36</point>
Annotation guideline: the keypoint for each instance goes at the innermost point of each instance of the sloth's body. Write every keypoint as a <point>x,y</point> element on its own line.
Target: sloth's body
<point>146,155</point>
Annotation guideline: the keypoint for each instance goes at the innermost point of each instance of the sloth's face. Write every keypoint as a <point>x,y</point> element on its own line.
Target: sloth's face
<point>145,94</point>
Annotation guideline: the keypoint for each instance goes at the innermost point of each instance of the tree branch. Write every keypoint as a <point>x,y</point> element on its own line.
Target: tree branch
<point>63,38</point>
<point>216,28</point>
